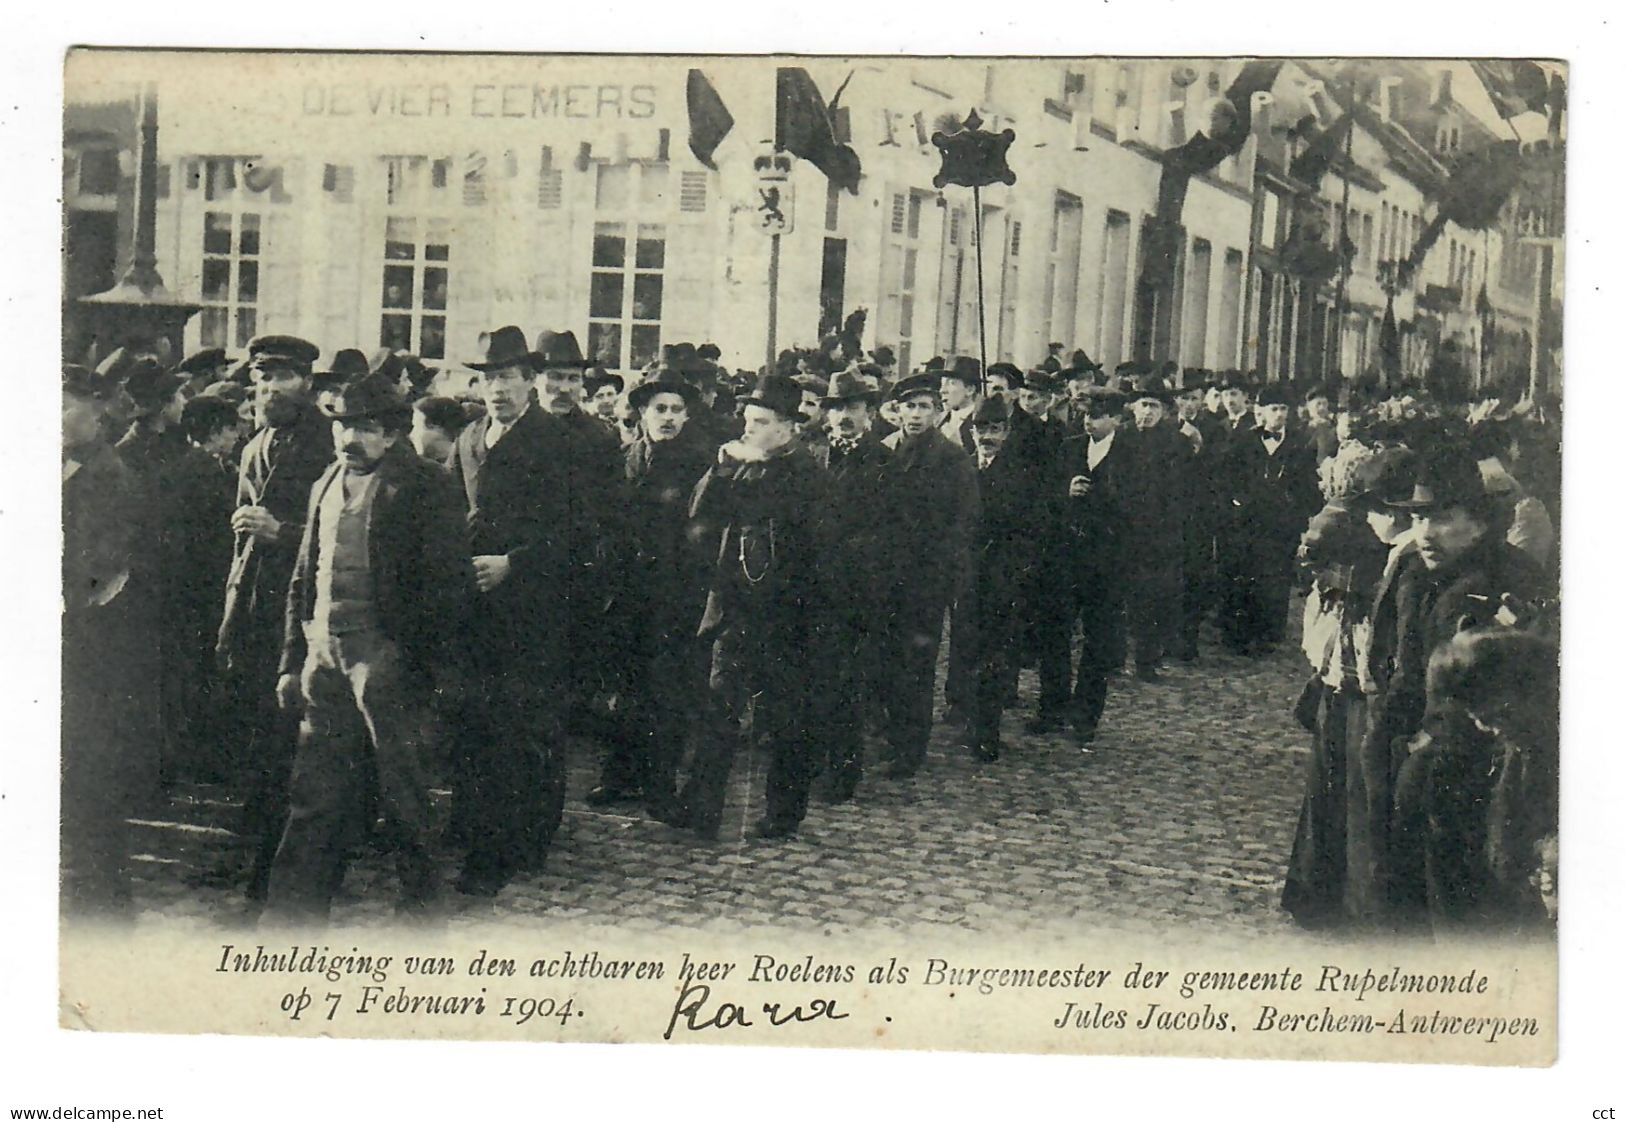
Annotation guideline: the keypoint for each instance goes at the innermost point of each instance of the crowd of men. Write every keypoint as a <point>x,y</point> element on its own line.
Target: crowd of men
<point>336,588</point>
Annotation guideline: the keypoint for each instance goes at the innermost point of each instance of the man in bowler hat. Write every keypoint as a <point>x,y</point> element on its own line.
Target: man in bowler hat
<point>757,507</point>
<point>376,590</point>
<point>519,525</point>
<point>852,632</point>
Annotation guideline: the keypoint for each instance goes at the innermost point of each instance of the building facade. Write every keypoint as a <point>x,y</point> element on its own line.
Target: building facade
<point>415,201</point>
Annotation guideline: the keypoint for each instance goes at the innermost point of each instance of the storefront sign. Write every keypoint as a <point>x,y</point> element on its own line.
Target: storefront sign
<point>518,100</point>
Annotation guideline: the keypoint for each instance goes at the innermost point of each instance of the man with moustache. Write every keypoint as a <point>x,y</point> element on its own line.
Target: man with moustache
<point>375,593</point>
<point>593,459</point>
<point>1004,552</point>
<point>852,632</point>
<point>930,494</point>
<point>664,599</point>
<point>512,464</point>
<point>276,469</point>
<point>758,507</point>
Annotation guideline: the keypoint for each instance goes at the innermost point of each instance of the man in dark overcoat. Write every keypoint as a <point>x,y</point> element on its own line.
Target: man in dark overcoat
<point>516,482</point>
<point>1004,553</point>
<point>276,469</point>
<point>853,635</point>
<point>929,484</point>
<point>1096,474</point>
<point>1269,481</point>
<point>1155,529</point>
<point>758,507</point>
<point>663,600</point>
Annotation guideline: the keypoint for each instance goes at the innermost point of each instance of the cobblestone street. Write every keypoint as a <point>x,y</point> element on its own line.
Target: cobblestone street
<point>1180,812</point>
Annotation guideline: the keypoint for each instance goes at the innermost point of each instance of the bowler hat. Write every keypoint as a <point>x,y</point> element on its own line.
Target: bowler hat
<point>965,369</point>
<point>558,350</point>
<point>207,361</point>
<point>1011,373</point>
<point>935,363</point>
<point>503,347</point>
<point>149,384</point>
<point>916,384</point>
<point>664,380</point>
<point>1273,393</point>
<point>849,385</point>
<point>373,397</point>
<point>1081,362</point>
<point>282,350</point>
<point>1449,477</point>
<point>80,381</point>
<point>1153,389</point>
<point>1042,381</point>
<point>884,355</point>
<point>991,410</point>
<point>1103,403</point>
<point>710,352</point>
<point>778,393</point>
<point>598,378</point>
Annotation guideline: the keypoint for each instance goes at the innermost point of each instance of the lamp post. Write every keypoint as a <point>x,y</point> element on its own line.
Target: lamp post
<point>139,310</point>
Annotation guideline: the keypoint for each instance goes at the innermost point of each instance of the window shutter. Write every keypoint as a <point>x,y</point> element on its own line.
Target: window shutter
<point>899,209</point>
<point>691,196</point>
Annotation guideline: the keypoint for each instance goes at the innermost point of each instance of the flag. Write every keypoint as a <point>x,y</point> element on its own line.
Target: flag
<point>803,127</point>
<point>708,119</point>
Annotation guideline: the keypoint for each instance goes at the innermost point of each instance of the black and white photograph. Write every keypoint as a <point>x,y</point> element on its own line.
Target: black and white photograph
<point>982,507</point>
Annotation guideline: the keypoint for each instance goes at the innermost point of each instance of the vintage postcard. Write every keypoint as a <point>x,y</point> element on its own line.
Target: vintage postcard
<point>988,554</point>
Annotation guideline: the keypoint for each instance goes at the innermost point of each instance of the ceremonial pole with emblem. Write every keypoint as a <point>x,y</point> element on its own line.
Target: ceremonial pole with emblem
<point>975,157</point>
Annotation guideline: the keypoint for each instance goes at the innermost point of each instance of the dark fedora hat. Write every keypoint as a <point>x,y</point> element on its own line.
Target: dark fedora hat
<point>282,350</point>
<point>385,362</point>
<point>991,410</point>
<point>346,365</point>
<point>1449,477</point>
<point>1082,362</point>
<point>558,350</point>
<point>849,385</point>
<point>780,394</point>
<point>965,369</point>
<point>916,384</point>
<point>505,346</point>
<point>1153,389</point>
<point>373,397</point>
<point>1042,381</point>
<point>665,380</point>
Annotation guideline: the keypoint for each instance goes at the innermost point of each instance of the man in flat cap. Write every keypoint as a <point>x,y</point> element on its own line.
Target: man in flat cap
<point>511,758</point>
<point>376,591</point>
<point>757,507</point>
<point>852,633</point>
<point>930,495</point>
<point>277,467</point>
<point>106,652</point>
<point>202,369</point>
